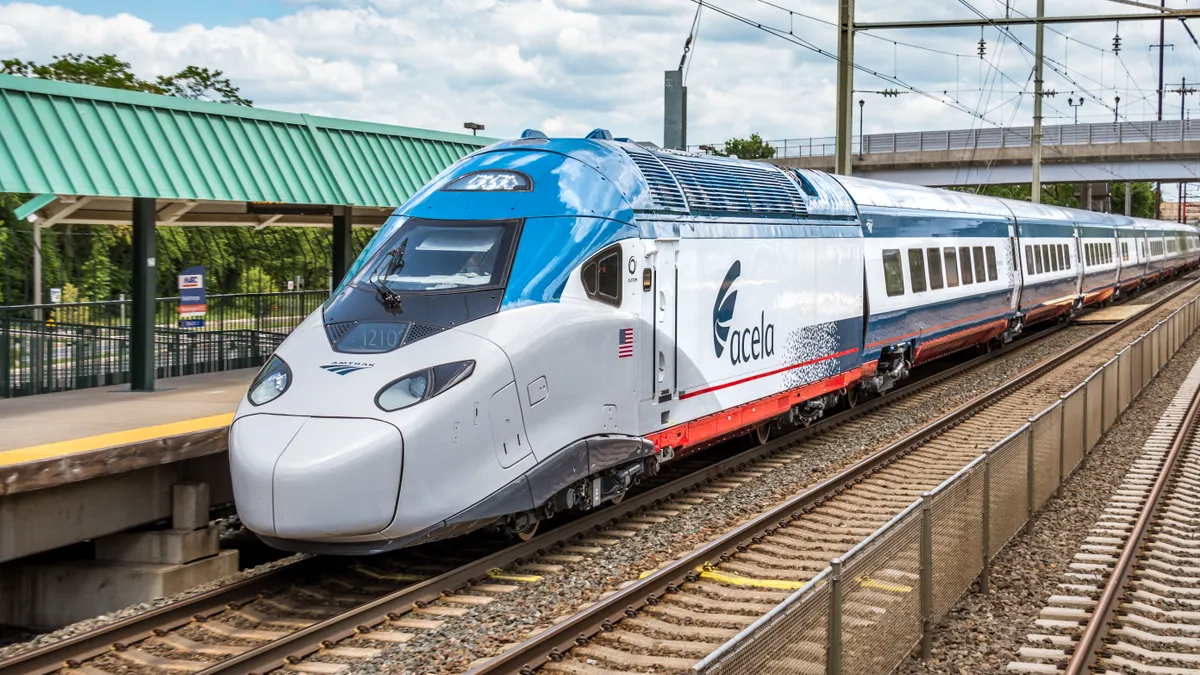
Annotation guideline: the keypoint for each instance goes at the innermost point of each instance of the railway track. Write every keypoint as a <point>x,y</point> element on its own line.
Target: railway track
<point>317,606</point>
<point>681,613</point>
<point>1131,599</point>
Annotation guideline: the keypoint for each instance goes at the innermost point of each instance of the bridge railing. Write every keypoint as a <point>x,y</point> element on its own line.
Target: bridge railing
<point>64,346</point>
<point>991,138</point>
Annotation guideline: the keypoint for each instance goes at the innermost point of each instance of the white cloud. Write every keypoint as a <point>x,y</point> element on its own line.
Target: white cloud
<point>571,65</point>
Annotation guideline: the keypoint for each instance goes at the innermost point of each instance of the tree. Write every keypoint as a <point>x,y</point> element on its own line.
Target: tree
<point>203,84</point>
<point>747,148</point>
<point>107,70</point>
<point>1143,199</point>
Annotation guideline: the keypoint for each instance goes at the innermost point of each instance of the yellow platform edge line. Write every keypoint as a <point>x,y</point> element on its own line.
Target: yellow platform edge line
<point>114,439</point>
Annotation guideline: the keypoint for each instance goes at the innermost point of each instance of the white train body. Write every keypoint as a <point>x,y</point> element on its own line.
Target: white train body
<point>549,321</point>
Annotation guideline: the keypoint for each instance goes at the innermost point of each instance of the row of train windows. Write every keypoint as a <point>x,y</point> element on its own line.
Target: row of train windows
<point>958,266</point>
<point>1098,253</point>
<point>1042,258</point>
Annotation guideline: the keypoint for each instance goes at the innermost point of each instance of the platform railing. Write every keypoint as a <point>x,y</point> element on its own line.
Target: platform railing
<point>990,138</point>
<point>58,347</point>
<point>865,612</point>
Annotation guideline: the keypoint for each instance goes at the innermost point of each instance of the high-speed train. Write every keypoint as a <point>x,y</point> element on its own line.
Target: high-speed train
<point>549,321</point>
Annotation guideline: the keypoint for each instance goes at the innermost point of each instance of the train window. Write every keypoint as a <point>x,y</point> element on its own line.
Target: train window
<point>1058,252</point>
<point>601,276</point>
<point>1051,260</point>
<point>980,271</point>
<point>893,274</point>
<point>1124,250</point>
<point>964,265</point>
<point>1028,259</point>
<point>951,268</point>
<point>934,257</point>
<point>916,269</point>
<point>991,264</point>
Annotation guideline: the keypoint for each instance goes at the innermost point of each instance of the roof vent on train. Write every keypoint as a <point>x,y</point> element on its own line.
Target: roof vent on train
<point>533,133</point>
<point>684,182</point>
<point>600,135</point>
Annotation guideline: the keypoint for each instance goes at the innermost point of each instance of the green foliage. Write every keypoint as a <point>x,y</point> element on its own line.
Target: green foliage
<point>1063,194</point>
<point>202,84</point>
<point>747,148</point>
<point>1143,199</point>
<point>256,280</point>
<point>107,70</point>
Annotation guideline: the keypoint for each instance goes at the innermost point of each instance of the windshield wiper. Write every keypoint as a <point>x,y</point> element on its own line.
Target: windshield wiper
<point>390,298</point>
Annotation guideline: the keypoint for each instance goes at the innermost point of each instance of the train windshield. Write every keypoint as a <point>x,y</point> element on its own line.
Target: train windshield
<point>428,256</point>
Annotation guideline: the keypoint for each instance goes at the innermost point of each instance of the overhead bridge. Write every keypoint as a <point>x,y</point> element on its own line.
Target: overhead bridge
<point>1116,152</point>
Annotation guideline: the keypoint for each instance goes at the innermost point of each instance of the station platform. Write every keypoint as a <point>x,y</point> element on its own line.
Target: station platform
<point>48,426</point>
<point>82,464</point>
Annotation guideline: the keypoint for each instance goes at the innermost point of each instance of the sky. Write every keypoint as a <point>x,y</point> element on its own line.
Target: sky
<point>568,66</point>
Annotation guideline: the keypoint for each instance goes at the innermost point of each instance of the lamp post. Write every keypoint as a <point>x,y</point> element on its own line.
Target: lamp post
<point>1076,105</point>
<point>1116,110</point>
<point>475,127</point>
<point>862,140</point>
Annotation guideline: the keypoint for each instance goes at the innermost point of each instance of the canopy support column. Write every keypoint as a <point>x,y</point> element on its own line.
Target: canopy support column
<point>343,224</point>
<point>141,329</point>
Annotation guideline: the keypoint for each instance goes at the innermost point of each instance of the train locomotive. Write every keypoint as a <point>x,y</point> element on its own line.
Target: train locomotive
<point>549,321</point>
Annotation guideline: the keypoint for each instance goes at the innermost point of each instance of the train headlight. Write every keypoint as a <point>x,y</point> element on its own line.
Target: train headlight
<point>423,384</point>
<point>272,381</point>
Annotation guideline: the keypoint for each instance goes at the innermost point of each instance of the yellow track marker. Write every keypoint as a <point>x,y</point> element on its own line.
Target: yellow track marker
<point>497,573</point>
<point>117,438</point>
<point>390,576</point>
<point>868,582</point>
<point>711,574</point>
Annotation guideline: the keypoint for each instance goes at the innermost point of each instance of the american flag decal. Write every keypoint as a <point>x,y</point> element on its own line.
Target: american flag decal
<point>624,343</point>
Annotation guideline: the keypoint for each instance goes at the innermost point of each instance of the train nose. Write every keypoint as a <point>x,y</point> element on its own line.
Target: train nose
<point>312,477</point>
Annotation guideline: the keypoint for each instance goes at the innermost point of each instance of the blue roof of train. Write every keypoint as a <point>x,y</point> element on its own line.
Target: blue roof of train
<point>670,182</point>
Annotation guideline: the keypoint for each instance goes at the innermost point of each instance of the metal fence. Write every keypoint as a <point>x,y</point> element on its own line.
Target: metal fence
<point>865,612</point>
<point>49,348</point>
<point>979,139</point>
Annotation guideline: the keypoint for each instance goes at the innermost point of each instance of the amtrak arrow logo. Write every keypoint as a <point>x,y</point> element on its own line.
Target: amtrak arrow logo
<point>345,368</point>
<point>723,308</point>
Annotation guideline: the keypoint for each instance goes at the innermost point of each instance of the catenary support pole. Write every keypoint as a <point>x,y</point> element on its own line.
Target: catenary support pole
<point>141,328</point>
<point>1035,188</point>
<point>37,269</point>
<point>343,225</point>
<point>843,154</point>
<point>1128,199</point>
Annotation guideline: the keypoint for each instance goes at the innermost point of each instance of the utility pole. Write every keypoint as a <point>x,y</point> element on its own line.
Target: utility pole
<point>1162,47</point>
<point>1183,90</point>
<point>1035,188</point>
<point>844,143</point>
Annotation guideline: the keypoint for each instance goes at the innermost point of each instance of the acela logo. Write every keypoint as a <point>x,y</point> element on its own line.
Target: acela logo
<point>346,367</point>
<point>747,344</point>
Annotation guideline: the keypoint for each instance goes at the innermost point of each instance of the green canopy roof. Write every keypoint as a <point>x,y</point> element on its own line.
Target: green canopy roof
<point>72,139</point>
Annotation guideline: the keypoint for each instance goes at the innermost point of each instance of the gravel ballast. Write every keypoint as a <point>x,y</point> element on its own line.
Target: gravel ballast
<point>511,618</point>
<point>983,631</point>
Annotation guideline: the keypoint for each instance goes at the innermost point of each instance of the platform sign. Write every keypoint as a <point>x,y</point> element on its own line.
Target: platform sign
<point>192,303</point>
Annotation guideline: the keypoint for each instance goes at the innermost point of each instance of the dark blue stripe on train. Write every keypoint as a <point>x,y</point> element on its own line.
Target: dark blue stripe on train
<point>936,320</point>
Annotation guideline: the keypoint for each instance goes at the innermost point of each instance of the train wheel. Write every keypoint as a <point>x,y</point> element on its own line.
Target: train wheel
<point>618,499</point>
<point>529,532</point>
<point>851,398</point>
<point>762,433</point>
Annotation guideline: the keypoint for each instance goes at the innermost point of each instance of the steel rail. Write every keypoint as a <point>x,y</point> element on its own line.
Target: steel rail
<point>550,645</point>
<point>77,649</point>
<point>74,650</point>
<point>1087,652</point>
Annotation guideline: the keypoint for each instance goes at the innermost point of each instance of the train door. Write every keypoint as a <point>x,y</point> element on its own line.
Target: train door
<point>1082,269</point>
<point>666,324</point>
<point>1014,248</point>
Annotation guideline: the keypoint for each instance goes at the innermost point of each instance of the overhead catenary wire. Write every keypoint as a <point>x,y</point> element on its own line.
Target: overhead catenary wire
<point>795,39</point>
